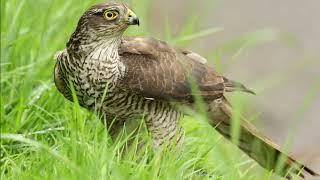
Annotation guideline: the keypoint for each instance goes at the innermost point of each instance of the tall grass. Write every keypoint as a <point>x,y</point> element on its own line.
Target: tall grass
<point>45,137</point>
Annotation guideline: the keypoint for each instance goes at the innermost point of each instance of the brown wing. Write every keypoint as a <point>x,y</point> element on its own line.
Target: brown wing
<point>156,70</point>
<point>60,82</point>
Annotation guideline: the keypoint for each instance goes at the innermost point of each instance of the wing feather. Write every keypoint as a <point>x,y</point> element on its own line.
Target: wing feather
<point>156,70</point>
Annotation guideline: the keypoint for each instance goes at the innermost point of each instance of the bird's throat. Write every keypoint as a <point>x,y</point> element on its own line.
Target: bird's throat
<point>106,50</point>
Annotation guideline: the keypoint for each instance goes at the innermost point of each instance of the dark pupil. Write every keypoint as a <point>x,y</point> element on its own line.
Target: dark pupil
<point>109,15</point>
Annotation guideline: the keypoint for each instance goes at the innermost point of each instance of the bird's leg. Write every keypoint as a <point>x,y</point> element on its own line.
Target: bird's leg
<point>112,123</point>
<point>123,129</point>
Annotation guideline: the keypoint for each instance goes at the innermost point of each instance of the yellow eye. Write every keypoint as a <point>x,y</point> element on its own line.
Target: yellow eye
<point>110,15</point>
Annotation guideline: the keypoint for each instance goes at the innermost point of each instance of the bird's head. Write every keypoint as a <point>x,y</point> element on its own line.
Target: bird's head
<point>106,20</point>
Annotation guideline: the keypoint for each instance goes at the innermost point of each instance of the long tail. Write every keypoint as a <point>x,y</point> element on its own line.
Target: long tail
<point>253,143</point>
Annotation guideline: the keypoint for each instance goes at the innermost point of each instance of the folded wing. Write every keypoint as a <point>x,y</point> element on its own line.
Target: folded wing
<point>156,70</point>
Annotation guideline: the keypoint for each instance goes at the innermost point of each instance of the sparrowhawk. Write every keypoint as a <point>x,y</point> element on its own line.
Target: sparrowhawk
<point>126,78</point>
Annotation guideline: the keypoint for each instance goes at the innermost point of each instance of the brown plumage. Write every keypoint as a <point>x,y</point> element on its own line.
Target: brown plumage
<point>143,76</point>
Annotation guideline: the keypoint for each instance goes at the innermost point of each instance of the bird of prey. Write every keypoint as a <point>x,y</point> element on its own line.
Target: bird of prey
<point>129,77</point>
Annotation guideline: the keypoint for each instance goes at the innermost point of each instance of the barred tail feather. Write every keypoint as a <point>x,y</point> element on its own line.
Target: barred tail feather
<point>231,86</point>
<point>253,143</point>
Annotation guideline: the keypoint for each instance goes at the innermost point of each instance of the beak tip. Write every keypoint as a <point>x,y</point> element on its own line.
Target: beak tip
<point>136,21</point>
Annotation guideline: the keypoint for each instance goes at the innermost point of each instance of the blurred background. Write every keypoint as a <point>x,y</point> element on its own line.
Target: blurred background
<point>282,67</point>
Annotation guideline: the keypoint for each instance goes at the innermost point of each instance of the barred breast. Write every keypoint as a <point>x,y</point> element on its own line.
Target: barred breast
<point>96,86</point>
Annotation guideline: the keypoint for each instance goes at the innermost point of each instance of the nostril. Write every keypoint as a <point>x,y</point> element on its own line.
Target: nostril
<point>130,16</point>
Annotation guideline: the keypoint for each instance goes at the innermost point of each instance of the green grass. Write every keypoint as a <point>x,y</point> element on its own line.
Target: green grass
<point>43,136</point>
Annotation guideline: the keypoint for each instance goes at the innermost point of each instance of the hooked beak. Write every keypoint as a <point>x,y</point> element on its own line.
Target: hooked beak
<point>132,18</point>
